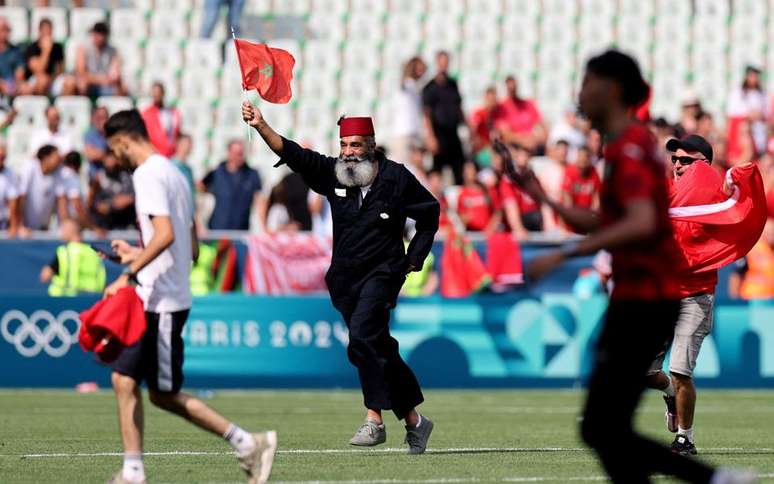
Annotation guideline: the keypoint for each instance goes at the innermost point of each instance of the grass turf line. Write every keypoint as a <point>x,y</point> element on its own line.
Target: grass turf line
<point>522,436</point>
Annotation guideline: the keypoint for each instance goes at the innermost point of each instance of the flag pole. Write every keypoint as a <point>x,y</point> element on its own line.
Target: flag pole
<point>242,72</point>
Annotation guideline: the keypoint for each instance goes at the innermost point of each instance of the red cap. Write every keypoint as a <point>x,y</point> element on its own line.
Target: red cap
<point>356,127</point>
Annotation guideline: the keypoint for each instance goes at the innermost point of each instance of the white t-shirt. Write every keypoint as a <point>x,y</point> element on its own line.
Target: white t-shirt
<point>63,141</point>
<point>407,110</point>
<point>160,189</point>
<point>9,190</point>
<point>71,187</point>
<point>41,192</point>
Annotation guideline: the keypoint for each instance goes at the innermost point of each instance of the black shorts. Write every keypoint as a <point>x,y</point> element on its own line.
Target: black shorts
<point>158,357</point>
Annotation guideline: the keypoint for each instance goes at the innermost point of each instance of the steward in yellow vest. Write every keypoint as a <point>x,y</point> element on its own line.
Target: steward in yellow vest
<point>76,267</point>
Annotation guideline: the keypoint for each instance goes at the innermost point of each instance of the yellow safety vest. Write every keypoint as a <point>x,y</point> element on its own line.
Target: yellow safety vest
<point>80,270</point>
<point>758,282</point>
<point>202,278</point>
<point>416,281</point>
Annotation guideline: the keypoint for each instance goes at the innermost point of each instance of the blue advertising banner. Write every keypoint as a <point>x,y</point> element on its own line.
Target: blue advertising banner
<point>511,340</point>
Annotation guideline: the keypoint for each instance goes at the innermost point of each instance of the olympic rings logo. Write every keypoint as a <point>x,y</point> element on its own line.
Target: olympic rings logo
<point>41,331</point>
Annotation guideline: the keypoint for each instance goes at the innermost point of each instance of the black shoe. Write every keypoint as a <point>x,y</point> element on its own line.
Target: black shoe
<point>671,413</point>
<point>683,446</point>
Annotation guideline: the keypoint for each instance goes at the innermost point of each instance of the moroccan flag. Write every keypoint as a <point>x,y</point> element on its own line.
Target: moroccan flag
<point>712,228</point>
<point>266,69</point>
<point>462,271</point>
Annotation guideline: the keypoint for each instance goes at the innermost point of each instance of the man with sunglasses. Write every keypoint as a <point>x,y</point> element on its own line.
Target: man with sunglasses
<point>694,323</point>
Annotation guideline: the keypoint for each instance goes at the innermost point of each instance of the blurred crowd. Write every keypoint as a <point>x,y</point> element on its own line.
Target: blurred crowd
<point>449,150</point>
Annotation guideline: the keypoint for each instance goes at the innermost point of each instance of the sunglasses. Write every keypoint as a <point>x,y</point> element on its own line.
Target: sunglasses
<point>685,160</point>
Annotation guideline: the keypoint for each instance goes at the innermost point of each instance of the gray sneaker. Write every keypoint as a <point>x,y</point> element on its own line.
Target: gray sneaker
<point>417,437</point>
<point>257,464</point>
<point>369,434</point>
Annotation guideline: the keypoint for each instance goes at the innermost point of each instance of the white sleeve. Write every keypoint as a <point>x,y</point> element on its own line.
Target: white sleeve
<point>26,177</point>
<point>150,195</point>
<point>12,186</point>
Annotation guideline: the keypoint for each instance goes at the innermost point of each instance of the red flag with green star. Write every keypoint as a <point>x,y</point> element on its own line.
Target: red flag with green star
<point>266,69</point>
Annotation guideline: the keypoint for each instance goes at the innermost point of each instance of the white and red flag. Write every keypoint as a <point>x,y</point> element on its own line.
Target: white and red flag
<point>715,226</point>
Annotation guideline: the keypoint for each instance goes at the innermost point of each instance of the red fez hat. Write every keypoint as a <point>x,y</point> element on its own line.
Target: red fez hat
<point>355,127</point>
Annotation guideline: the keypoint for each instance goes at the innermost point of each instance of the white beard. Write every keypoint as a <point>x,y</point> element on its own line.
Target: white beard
<point>355,172</point>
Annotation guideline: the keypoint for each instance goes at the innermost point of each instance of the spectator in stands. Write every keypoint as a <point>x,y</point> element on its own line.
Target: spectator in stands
<point>519,121</point>
<point>162,121</point>
<point>9,196</point>
<point>443,114</point>
<point>212,14</point>
<point>482,121</point>
<point>407,111</point>
<point>754,275</point>
<point>95,146</point>
<point>705,126</point>
<point>748,103</point>
<point>41,190</point>
<point>295,197</point>
<point>236,187</point>
<point>551,172</point>
<point>45,66</point>
<point>11,61</point>
<point>689,112</point>
<point>435,185</point>
<point>322,216</point>
<point>111,197</point>
<point>98,65</point>
<point>521,213</point>
<point>416,164</point>
<point>744,148</point>
<point>476,204</point>
<point>581,184</point>
<point>76,268</point>
<point>569,130</point>
<point>71,187</point>
<point>51,134</point>
<point>182,152</point>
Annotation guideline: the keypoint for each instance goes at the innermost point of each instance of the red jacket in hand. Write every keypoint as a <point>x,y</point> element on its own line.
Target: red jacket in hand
<point>113,324</point>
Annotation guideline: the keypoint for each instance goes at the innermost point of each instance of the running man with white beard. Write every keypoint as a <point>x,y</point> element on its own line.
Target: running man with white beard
<point>370,198</point>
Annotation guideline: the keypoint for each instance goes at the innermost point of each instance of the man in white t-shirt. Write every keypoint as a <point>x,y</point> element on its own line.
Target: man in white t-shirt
<point>51,134</point>
<point>9,196</point>
<point>161,269</point>
<point>41,190</point>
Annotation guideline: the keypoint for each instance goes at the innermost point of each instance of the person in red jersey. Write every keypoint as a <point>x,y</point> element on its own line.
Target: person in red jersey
<point>633,224</point>
<point>476,203</point>
<point>581,184</point>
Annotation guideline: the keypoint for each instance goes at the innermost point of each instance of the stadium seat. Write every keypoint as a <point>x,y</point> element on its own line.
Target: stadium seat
<point>490,7</point>
<point>561,10</point>
<point>750,8</point>
<point>326,25</point>
<point>17,19</point>
<point>478,58</point>
<point>472,85</point>
<point>83,19</point>
<point>331,6</point>
<point>443,28</point>
<point>71,51</point>
<point>292,7</point>
<point>182,5</point>
<point>160,54</point>
<point>518,59</point>
<point>321,87</point>
<point>376,7</point>
<point>322,57</point>
<point>221,136</point>
<point>197,115</point>
<point>360,85</point>
<point>520,29</point>
<point>713,8</point>
<point>313,118</point>
<point>481,29</point>
<point>75,112</point>
<point>558,30</point>
<point>30,110</point>
<point>219,33</point>
<point>395,54</point>
<point>643,9</point>
<point>403,27</point>
<point>362,56</point>
<point>670,30</point>
<point>128,24</point>
<point>57,16</point>
<point>203,54</point>
<point>364,27</point>
<point>678,9</point>
<point>453,8</point>
<point>231,81</point>
<point>282,116</point>
<point>408,7</point>
<point>527,8</point>
<point>169,24</point>
<point>229,113</point>
<point>668,91</point>
<point>18,145</point>
<point>199,83</point>
<point>167,77</point>
<point>599,8</point>
<point>115,103</point>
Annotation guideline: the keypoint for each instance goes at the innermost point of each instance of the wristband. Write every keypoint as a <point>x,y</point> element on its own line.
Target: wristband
<point>130,274</point>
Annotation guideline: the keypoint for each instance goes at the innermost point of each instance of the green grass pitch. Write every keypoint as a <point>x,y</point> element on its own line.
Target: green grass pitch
<point>480,436</point>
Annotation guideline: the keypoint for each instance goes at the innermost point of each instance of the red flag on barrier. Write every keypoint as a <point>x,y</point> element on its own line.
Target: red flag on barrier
<point>266,69</point>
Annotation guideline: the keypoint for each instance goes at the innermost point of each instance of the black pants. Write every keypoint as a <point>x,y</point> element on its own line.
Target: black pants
<point>633,334</point>
<point>449,154</point>
<point>387,381</point>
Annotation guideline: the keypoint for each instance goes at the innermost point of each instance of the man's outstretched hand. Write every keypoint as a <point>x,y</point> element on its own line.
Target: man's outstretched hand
<point>251,115</point>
